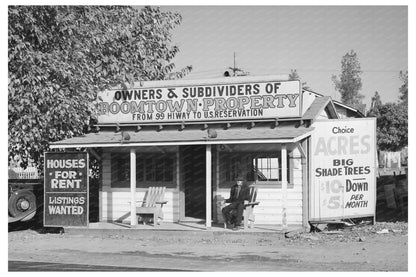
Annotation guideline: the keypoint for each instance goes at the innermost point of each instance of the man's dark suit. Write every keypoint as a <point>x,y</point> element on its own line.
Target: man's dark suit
<point>237,204</point>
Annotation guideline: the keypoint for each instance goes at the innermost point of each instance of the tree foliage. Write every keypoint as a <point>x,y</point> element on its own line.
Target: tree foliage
<point>392,128</point>
<point>404,88</point>
<point>349,81</point>
<point>375,106</point>
<point>61,56</point>
<point>295,76</point>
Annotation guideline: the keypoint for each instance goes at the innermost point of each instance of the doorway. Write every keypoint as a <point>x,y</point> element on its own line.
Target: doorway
<point>193,182</point>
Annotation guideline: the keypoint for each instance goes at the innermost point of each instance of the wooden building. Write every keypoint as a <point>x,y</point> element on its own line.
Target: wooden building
<point>195,136</point>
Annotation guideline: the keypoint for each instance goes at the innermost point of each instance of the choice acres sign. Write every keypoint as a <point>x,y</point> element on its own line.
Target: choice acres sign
<point>209,102</point>
<point>343,181</point>
<point>66,189</point>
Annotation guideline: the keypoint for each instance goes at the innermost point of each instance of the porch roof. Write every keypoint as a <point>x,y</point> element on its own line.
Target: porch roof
<point>279,134</point>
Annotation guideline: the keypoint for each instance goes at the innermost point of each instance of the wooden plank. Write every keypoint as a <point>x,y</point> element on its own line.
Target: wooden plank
<point>277,196</point>
<point>305,184</point>
<point>126,209</point>
<point>301,150</point>
<point>133,218</point>
<point>106,173</point>
<point>208,193</point>
<point>125,195</point>
<point>267,210</point>
<point>253,194</point>
<point>181,185</point>
<point>117,204</point>
<point>149,196</point>
<point>146,210</point>
<point>94,153</point>
<point>276,219</point>
<point>162,195</point>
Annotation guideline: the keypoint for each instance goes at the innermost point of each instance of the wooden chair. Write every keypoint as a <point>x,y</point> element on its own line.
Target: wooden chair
<point>153,203</point>
<point>248,215</point>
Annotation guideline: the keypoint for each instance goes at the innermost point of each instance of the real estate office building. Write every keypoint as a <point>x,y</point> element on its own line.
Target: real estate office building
<point>194,137</point>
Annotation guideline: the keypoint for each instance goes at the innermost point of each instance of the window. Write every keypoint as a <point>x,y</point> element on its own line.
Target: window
<point>120,168</point>
<point>233,167</point>
<point>262,167</point>
<point>268,167</point>
<point>152,167</point>
<point>155,169</point>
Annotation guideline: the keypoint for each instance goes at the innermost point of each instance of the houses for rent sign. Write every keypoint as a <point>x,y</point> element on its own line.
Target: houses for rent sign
<point>66,189</point>
<point>343,183</point>
<point>209,102</point>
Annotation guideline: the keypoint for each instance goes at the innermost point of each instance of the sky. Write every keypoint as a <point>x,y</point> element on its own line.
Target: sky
<point>272,40</point>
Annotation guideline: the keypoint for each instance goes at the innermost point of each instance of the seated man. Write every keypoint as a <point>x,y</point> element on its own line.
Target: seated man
<point>239,195</point>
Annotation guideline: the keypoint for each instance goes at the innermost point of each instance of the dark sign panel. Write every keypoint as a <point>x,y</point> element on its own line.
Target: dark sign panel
<point>66,189</point>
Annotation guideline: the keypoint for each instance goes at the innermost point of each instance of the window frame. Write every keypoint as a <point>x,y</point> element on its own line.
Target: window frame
<point>119,161</point>
<point>226,157</point>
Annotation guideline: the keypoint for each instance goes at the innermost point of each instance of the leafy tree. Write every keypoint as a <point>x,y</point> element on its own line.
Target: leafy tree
<point>61,56</point>
<point>349,81</point>
<point>392,127</point>
<point>403,89</point>
<point>375,106</point>
<point>295,76</point>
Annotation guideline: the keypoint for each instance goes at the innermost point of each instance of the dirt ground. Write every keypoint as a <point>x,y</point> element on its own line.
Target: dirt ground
<point>380,247</point>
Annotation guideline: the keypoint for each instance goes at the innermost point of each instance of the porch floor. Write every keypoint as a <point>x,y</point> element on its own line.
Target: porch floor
<point>179,226</point>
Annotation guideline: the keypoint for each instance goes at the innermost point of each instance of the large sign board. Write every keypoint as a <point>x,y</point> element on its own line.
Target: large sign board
<point>215,102</point>
<point>66,189</point>
<point>343,169</point>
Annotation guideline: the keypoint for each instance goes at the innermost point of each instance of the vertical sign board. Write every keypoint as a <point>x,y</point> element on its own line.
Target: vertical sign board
<point>66,189</point>
<point>343,169</point>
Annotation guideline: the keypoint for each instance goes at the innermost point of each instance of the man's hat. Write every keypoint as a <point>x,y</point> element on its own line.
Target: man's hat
<point>239,178</point>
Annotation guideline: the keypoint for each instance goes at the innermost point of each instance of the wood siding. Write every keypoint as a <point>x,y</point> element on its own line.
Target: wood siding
<point>270,196</point>
<point>269,211</point>
<point>116,204</point>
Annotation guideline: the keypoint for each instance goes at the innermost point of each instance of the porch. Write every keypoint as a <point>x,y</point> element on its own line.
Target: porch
<point>120,228</point>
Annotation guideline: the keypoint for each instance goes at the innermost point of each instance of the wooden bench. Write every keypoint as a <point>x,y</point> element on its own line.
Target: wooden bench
<point>248,214</point>
<point>152,204</point>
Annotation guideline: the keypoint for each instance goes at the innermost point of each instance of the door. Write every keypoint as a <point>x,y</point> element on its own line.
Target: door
<point>193,181</point>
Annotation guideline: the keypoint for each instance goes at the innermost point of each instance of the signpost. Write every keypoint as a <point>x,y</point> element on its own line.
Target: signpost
<point>66,189</point>
<point>208,102</point>
<point>343,171</point>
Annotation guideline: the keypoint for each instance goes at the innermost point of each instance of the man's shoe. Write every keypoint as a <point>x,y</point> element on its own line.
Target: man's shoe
<point>236,228</point>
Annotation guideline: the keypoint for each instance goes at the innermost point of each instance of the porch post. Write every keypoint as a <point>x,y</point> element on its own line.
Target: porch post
<point>208,193</point>
<point>133,218</point>
<point>305,184</point>
<point>284,186</point>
